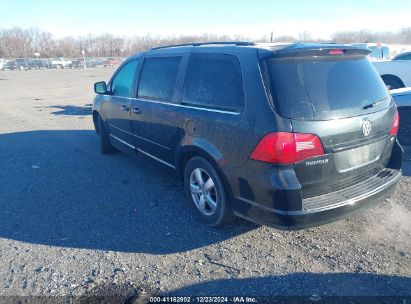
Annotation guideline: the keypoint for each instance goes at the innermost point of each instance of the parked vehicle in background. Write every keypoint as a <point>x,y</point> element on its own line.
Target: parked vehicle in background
<point>34,64</point>
<point>24,64</point>
<point>1,64</point>
<point>61,63</point>
<point>395,73</point>
<point>90,63</point>
<point>77,63</point>
<point>291,135</point>
<point>9,65</point>
<point>111,62</point>
<point>379,51</point>
<point>402,98</point>
<point>21,64</point>
<point>46,63</point>
<point>403,56</point>
<point>98,61</point>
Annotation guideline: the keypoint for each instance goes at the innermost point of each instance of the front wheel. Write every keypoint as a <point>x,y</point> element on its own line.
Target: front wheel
<point>206,193</point>
<point>105,144</point>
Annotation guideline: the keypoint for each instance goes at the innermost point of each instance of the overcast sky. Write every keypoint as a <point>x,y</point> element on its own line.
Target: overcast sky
<point>251,18</point>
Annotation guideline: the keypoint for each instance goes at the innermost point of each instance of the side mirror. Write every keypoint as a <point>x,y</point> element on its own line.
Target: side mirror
<point>100,87</point>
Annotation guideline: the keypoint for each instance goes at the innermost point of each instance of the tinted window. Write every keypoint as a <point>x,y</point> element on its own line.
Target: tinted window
<point>122,83</point>
<point>214,81</point>
<point>325,88</point>
<point>404,57</point>
<point>158,78</point>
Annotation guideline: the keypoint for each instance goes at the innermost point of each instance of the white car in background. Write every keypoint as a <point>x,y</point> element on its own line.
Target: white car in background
<point>402,99</point>
<point>61,63</point>
<point>395,73</point>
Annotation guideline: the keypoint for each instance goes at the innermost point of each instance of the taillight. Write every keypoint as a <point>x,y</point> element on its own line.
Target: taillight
<point>395,124</point>
<point>336,52</point>
<point>307,145</point>
<point>287,148</point>
<point>275,148</point>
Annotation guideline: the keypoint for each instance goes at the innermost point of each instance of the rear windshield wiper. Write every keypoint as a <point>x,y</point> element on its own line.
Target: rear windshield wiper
<point>374,104</point>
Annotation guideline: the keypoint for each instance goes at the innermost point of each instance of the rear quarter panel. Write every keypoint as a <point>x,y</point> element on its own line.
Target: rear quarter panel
<point>229,138</point>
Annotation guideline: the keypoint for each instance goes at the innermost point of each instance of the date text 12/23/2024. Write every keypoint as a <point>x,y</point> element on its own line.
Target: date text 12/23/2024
<point>202,299</point>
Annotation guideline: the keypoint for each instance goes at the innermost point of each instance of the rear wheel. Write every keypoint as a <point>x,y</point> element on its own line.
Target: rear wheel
<point>206,192</point>
<point>105,144</point>
<point>392,82</point>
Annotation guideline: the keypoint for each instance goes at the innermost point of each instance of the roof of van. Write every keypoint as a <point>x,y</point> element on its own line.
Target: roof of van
<point>241,46</point>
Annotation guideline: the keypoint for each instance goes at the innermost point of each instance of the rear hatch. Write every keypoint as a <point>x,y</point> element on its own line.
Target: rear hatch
<point>336,94</point>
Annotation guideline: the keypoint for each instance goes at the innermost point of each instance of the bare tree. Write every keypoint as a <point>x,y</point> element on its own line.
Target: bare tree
<point>47,45</point>
<point>284,39</point>
<point>67,47</point>
<point>304,36</point>
<point>402,36</point>
<point>17,42</point>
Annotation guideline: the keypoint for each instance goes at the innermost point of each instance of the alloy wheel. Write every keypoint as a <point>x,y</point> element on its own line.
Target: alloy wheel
<point>203,191</point>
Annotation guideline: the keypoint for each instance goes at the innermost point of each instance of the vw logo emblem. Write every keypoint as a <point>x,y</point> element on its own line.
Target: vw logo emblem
<point>366,127</point>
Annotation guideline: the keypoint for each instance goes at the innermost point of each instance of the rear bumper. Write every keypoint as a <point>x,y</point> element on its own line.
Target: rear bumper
<point>324,208</point>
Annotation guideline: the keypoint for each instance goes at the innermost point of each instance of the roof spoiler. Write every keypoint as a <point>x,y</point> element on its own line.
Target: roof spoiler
<point>329,50</point>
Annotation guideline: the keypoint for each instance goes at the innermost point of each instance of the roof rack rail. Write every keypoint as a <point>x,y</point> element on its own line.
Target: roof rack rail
<point>321,42</point>
<point>241,43</point>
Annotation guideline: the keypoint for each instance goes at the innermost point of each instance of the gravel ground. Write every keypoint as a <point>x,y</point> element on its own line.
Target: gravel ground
<point>76,222</point>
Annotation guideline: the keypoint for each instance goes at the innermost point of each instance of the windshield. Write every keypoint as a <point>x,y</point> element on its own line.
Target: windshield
<point>325,88</point>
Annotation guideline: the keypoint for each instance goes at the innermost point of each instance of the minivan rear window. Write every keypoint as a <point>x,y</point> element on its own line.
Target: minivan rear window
<point>324,88</point>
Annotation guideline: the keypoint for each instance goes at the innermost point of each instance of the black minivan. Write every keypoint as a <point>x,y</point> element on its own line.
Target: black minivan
<point>287,135</point>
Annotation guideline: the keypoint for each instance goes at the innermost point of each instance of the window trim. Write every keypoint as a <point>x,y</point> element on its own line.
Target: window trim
<point>213,108</point>
<point>190,107</point>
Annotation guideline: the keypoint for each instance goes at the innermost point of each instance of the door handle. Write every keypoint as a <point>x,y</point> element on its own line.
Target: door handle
<point>125,108</point>
<point>136,111</point>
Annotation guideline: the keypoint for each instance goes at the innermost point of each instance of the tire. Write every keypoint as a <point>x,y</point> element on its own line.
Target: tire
<point>197,175</point>
<point>393,83</point>
<point>105,144</point>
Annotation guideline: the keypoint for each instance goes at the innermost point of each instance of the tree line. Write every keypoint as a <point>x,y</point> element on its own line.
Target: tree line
<point>18,42</point>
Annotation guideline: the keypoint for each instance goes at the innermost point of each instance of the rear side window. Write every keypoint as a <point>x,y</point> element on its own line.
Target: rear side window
<point>158,78</point>
<point>322,89</point>
<point>122,83</point>
<point>214,81</point>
